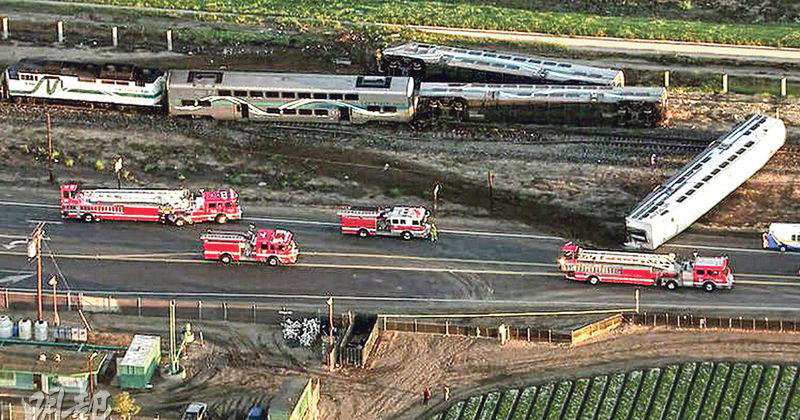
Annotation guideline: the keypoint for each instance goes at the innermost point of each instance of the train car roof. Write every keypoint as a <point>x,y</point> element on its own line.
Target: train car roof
<point>544,92</point>
<point>509,63</point>
<point>108,71</point>
<point>685,187</point>
<point>287,81</point>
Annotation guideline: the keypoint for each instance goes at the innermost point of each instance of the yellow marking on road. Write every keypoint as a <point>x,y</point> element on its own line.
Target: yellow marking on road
<point>432,259</point>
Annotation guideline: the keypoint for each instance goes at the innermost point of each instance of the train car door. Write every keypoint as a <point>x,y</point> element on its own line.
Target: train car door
<point>344,113</point>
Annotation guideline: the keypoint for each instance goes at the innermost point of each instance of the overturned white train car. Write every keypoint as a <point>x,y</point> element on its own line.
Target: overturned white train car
<point>431,62</point>
<point>703,182</point>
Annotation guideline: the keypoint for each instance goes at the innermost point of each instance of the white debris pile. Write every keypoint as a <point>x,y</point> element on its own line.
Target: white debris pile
<point>304,333</point>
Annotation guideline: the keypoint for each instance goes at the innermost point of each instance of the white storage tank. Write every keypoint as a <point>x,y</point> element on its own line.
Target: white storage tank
<point>25,329</point>
<point>6,327</point>
<point>40,330</point>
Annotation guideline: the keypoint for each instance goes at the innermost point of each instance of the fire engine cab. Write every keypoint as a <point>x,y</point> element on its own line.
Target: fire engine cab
<point>179,206</point>
<point>596,266</point>
<point>272,246</point>
<point>403,221</point>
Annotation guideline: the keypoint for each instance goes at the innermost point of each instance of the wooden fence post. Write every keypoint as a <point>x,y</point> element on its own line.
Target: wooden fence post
<point>169,39</point>
<point>139,305</point>
<point>200,310</point>
<point>724,83</point>
<point>666,79</point>
<point>114,36</point>
<point>5,28</point>
<point>783,87</point>
<point>60,26</point>
<point>224,311</point>
<point>447,328</point>
<point>254,312</point>
<point>6,303</point>
<point>529,334</point>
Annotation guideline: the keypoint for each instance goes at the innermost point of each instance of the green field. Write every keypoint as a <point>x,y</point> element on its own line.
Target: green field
<point>689,391</point>
<point>488,16</point>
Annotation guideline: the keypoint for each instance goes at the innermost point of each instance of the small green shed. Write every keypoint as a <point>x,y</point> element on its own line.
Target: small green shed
<point>136,368</point>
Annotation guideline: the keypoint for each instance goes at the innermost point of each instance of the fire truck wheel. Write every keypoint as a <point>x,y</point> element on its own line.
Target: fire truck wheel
<point>407,236</point>
<point>88,218</point>
<point>226,258</point>
<point>708,286</point>
<point>671,285</point>
<point>593,280</point>
<point>363,233</point>
<point>221,219</point>
<point>783,248</point>
<point>272,261</point>
<point>180,221</point>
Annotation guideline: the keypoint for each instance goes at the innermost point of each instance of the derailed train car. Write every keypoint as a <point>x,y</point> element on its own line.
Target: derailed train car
<point>428,62</point>
<point>704,181</point>
<point>581,105</point>
<point>83,83</point>
<point>265,96</point>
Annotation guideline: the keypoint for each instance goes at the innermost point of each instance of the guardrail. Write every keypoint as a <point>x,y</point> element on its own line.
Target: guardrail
<point>692,321</point>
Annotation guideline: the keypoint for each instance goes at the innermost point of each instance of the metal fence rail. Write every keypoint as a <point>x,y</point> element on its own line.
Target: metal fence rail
<point>711,322</point>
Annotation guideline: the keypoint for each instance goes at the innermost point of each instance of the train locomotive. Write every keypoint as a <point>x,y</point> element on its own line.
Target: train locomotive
<point>321,98</point>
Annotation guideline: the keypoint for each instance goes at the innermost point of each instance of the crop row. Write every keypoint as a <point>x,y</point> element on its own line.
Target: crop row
<point>691,391</point>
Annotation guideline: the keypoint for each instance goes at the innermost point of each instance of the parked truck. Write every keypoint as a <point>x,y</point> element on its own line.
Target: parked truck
<point>407,222</point>
<point>667,270</point>
<point>271,246</point>
<point>176,206</point>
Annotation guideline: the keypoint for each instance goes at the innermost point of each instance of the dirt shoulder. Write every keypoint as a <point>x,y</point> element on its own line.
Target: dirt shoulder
<point>405,363</point>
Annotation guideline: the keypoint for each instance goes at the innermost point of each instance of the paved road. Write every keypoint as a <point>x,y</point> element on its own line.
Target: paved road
<point>585,42</point>
<point>464,271</point>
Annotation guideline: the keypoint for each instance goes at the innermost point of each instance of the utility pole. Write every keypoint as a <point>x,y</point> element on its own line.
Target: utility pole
<point>331,362</point>
<point>53,282</point>
<point>35,251</point>
<point>49,150</point>
<point>436,190</point>
<point>118,170</point>
<point>490,179</point>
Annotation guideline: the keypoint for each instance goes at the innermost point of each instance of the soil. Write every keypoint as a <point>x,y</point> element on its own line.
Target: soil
<point>244,364</point>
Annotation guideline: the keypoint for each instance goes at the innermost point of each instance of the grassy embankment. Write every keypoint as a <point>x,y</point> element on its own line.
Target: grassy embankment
<point>485,16</point>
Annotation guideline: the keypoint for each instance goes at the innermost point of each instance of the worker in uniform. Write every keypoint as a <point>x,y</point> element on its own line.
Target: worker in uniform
<point>434,232</point>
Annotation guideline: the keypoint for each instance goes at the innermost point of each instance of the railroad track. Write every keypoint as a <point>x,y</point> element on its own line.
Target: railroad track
<point>439,131</point>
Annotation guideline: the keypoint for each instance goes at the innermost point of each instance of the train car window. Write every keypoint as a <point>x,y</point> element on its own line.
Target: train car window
<point>706,159</point>
<point>204,103</point>
<point>186,102</point>
<point>224,93</point>
<point>533,60</point>
<point>320,96</point>
<point>715,171</point>
<point>701,272</point>
<point>373,82</point>
<point>304,95</point>
<point>565,65</point>
<point>373,108</point>
<point>690,192</point>
<point>550,63</point>
<point>740,151</point>
<point>351,97</point>
<point>706,178</point>
<point>474,53</point>
<point>490,55</point>
<point>520,59</point>
<point>273,95</point>
<point>107,82</point>
<point>698,185</point>
<point>273,111</point>
<point>287,95</point>
<point>289,112</point>
<point>305,112</point>
<point>256,94</point>
<point>794,237</point>
<point>321,112</point>
<point>123,83</point>
<point>732,158</point>
<point>241,93</point>
<point>390,109</point>
<point>140,83</point>
<point>504,57</point>
<point>681,199</point>
<point>335,96</point>
<point>749,143</point>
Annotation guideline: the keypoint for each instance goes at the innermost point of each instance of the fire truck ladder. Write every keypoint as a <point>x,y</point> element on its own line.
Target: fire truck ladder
<point>361,211</point>
<point>226,235</point>
<point>173,198</point>
<point>662,261</point>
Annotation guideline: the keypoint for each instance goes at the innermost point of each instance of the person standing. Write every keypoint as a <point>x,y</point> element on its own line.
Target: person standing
<point>426,395</point>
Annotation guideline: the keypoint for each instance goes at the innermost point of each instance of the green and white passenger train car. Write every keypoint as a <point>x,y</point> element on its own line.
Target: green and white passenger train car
<point>236,95</point>
<point>64,81</point>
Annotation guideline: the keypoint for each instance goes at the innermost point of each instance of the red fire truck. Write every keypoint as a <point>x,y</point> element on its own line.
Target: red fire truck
<point>272,246</point>
<point>595,266</point>
<point>403,221</point>
<point>179,206</point>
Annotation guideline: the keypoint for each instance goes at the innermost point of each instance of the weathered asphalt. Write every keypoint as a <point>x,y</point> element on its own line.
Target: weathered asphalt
<point>461,272</point>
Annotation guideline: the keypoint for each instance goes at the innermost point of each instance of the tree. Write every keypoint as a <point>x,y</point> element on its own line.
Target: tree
<point>124,405</point>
